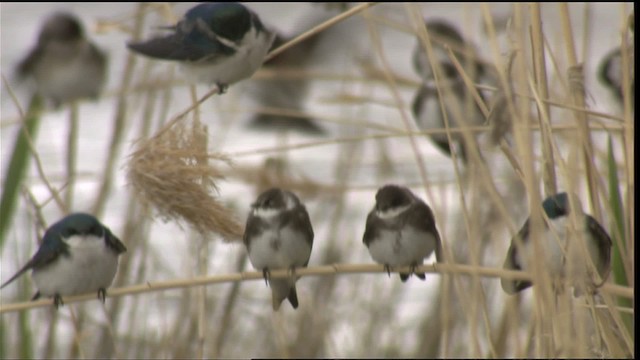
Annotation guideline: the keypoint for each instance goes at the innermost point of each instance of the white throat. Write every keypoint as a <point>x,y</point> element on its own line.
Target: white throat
<point>392,213</point>
<point>84,241</point>
<point>266,213</point>
<point>269,213</point>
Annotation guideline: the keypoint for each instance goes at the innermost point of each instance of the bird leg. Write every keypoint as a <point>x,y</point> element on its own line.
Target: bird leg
<point>222,88</point>
<point>388,269</point>
<point>57,301</point>
<point>102,294</point>
<point>413,271</point>
<point>266,275</point>
<point>292,274</point>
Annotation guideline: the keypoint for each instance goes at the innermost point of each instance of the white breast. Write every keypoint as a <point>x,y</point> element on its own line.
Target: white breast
<point>65,77</point>
<point>402,249</point>
<point>90,267</point>
<point>563,255</point>
<point>279,250</point>
<point>241,65</point>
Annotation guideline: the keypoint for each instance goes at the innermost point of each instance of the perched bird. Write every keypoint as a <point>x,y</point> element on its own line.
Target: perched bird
<point>610,74</point>
<point>460,107</point>
<point>401,230</point>
<point>78,254</point>
<point>445,36</point>
<point>286,93</point>
<point>567,253</point>
<point>461,111</point>
<point>278,235</point>
<point>219,43</point>
<point>64,65</point>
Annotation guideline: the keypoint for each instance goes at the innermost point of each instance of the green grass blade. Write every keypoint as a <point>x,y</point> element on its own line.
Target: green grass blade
<point>18,166</point>
<point>618,233</point>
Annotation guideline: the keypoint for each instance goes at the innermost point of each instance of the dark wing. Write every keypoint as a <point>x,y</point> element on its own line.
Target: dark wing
<point>604,244</point>
<point>194,46</point>
<point>25,67</point>
<point>300,220</point>
<point>422,218</point>
<point>304,222</point>
<point>370,230</point>
<point>251,229</point>
<point>417,107</point>
<point>418,101</point>
<point>113,242</point>
<point>98,55</point>
<point>511,262</point>
<point>47,253</point>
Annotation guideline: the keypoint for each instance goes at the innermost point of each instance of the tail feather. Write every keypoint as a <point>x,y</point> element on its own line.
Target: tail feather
<point>22,271</point>
<point>280,290</point>
<point>293,297</point>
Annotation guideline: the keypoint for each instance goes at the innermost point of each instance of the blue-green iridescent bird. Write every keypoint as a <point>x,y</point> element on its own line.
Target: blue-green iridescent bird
<point>78,255</point>
<point>569,255</point>
<point>219,43</point>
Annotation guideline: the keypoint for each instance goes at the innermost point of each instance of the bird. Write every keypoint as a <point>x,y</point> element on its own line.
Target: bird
<point>219,43</point>
<point>460,107</point>
<point>461,111</point>
<point>445,36</point>
<point>563,249</point>
<point>401,230</point>
<point>78,254</point>
<point>64,65</point>
<point>286,93</point>
<point>279,235</point>
<point>610,74</point>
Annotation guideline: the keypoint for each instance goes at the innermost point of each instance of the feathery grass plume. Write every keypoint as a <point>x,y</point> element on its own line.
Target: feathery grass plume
<point>171,172</point>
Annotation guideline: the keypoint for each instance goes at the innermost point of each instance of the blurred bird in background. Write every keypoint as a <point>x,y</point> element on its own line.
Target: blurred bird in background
<point>448,96</point>
<point>285,93</point>
<point>569,254</point>
<point>64,65</point>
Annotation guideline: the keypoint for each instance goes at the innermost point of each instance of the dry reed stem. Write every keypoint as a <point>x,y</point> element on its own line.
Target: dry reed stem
<point>55,194</point>
<point>577,92</point>
<point>319,28</point>
<point>323,270</point>
<point>377,44</point>
<point>542,91</point>
<point>119,120</point>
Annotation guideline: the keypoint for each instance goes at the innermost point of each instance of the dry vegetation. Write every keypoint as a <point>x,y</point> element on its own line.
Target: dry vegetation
<point>174,172</point>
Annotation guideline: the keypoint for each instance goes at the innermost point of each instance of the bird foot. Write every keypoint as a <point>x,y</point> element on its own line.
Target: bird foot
<point>414,272</point>
<point>57,301</point>
<point>222,88</point>
<point>266,275</point>
<point>292,273</point>
<point>102,294</point>
<point>388,269</point>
